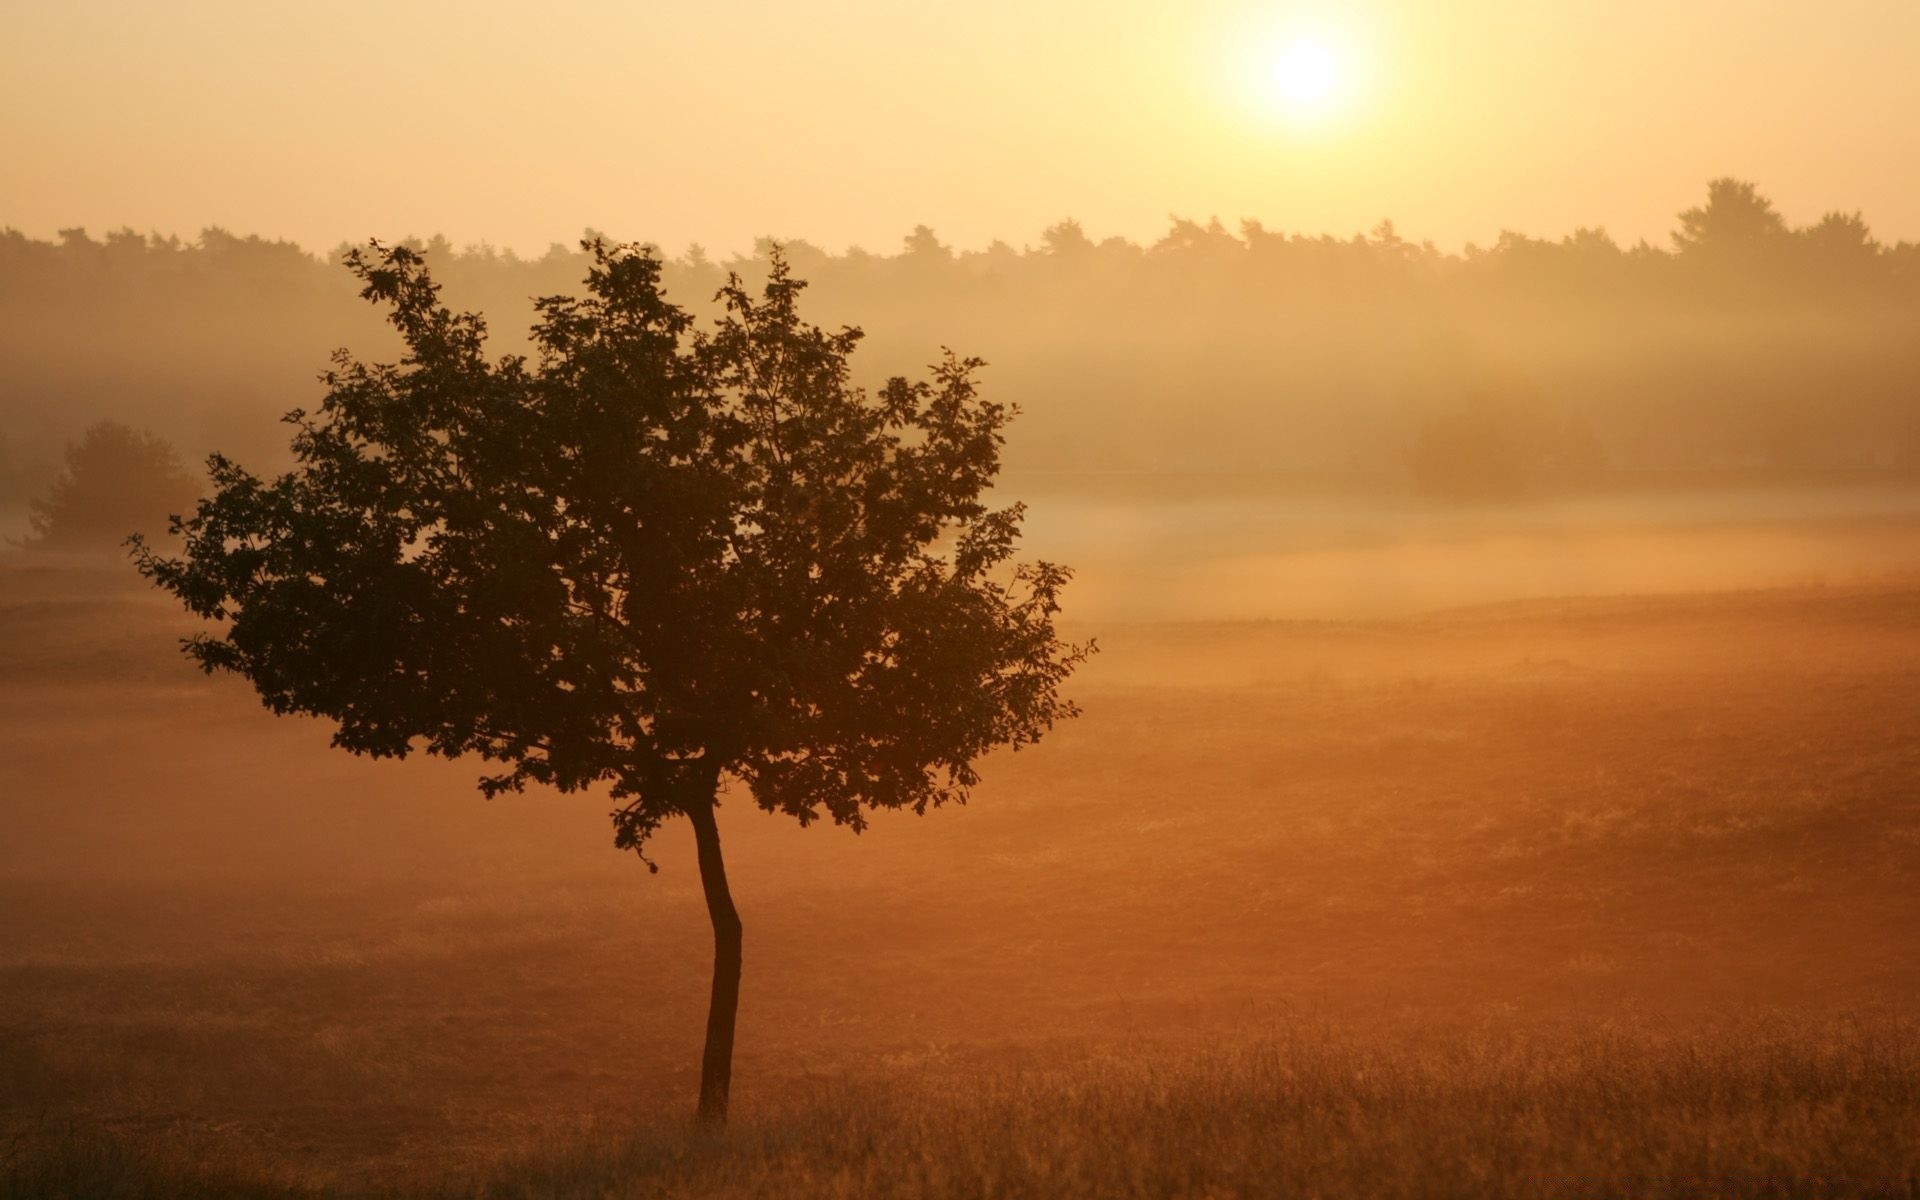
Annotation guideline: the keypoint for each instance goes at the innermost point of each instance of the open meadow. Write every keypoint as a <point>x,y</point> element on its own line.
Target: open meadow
<point>1544,896</point>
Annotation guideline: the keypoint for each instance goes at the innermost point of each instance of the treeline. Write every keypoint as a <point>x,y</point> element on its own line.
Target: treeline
<point>1745,348</point>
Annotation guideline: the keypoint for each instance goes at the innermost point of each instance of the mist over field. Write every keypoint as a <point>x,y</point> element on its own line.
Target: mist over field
<point>1341,698</point>
<point>1747,347</point>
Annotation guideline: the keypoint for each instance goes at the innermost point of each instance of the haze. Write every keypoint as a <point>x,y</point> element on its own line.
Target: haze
<point>848,123</point>
<point>1430,490</point>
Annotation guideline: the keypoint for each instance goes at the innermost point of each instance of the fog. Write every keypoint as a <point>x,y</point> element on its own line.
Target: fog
<point>1501,732</point>
<point>1746,349</point>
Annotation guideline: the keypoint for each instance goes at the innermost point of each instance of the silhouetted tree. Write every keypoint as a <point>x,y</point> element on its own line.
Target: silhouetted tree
<point>1736,220</point>
<point>1840,242</point>
<point>924,246</point>
<point>1501,443</point>
<point>1474,452</point>
<point>117,481</point>
<point>1066,241</point>
<point>649,558</point>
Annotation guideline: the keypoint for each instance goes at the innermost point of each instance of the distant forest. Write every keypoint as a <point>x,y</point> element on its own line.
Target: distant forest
<point>1746,349</point>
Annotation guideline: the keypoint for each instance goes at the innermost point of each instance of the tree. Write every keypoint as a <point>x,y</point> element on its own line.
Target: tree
<point>117,480</point>
<point>1736,222</point>
<point>1066,241</point>
<point>1840,243</point>
<point>1502,441</point>
<point>923,245</point>
<point>650,559</point>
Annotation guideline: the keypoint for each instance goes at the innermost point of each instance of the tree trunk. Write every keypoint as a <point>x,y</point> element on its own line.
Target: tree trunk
<point>716,1066</point>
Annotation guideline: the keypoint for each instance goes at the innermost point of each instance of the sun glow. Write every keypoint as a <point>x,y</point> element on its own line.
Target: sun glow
<point>1306,79</point>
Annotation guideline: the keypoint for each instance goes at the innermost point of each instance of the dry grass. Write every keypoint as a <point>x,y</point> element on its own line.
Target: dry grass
<point>1761,1108</point>
<point>1600,897</point>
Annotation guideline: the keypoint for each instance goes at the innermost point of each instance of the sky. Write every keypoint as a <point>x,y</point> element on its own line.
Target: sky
<point>520,125</point>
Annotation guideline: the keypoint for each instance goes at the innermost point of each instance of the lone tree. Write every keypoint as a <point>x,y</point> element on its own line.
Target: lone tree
<point>649,558</point>
<point>116,477</point>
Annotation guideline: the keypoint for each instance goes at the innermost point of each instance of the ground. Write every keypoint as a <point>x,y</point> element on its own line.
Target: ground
<point>1457,897</point>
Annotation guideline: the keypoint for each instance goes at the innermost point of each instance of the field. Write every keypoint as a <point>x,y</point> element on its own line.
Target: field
<point>1543,896</point>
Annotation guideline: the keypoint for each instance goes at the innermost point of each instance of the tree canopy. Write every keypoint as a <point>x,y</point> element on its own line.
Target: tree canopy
<point>645,548</point>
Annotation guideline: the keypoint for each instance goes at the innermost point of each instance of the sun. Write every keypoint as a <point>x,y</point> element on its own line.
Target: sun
<point>1306,78</point>
<point>1306,73</point>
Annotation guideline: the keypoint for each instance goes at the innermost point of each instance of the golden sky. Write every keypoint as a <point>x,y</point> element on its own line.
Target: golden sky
<point>847,123</point>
